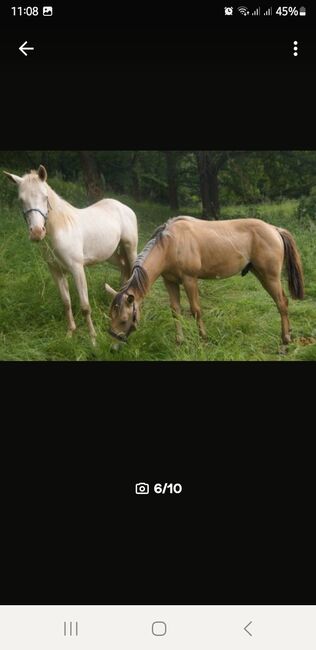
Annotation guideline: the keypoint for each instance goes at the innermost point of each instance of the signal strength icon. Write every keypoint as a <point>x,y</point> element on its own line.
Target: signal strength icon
<point>244,11</point>
<point>256,12</point>
<point>268,12</point>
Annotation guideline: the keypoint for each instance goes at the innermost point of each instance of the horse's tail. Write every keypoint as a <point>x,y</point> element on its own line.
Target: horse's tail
<point>293,265</point>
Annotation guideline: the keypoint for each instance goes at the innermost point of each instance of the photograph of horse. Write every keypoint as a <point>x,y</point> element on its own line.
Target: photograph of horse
<point>186,249</point>
<point>104,231</point>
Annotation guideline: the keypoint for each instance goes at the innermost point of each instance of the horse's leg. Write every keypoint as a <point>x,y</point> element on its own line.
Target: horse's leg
<point>174,298</point>
<point>129,254</point>
<point>62,284</point>
<point>126,268</point>
<point>191,288</point>
<point>118,260</point>
<point>287,314</point>
<point>82,288</point>
<point>272,284</point>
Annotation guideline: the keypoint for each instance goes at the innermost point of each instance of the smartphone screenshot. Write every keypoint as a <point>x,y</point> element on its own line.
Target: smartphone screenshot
<point>158,310</point>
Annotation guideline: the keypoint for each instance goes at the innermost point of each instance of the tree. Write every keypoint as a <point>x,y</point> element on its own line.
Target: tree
<point>135,176</point>
<point>209,164</point>
<point>91,175</point>
<point>172,178</point>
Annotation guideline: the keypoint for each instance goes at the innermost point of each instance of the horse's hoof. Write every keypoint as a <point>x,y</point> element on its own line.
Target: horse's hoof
<point>69,334</point>
<point>179,340</point>
<point>114,347</point>
<point>283,349</point>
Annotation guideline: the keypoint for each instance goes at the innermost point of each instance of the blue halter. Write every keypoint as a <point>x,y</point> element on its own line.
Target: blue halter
<point>45,216</point>
<point>25,212</point>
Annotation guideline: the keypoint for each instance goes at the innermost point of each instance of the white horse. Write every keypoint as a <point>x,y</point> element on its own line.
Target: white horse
<point>77,237</point>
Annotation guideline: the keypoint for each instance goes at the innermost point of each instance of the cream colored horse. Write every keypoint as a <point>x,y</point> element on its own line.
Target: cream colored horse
<point>77,237</point>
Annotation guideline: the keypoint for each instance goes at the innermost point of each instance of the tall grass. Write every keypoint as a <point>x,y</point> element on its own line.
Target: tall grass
<point>241,319</point>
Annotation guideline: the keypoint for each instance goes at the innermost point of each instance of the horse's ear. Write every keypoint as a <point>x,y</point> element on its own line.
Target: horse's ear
<point>42,173</point>
<point>109,290</point>
<point>13,177</point>
<point>130,298</point>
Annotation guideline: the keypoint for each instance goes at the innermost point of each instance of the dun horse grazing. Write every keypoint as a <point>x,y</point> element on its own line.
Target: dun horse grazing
<point>77,237</point>
<point>186,249</point>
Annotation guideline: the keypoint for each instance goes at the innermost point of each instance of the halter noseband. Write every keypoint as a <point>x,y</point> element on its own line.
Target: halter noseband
<point>45,216</point>
<point>123,337</point>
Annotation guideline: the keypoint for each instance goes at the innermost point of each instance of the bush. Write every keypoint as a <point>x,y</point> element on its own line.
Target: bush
<point>307,206</point>
<point>74,193</point>
<point>8,190</point>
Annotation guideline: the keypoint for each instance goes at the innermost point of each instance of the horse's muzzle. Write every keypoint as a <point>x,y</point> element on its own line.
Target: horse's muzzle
<point>37,233</point>
<point>118,337</point>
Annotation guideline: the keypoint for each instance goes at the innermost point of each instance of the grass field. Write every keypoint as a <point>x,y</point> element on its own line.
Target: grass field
<point>241,319</point>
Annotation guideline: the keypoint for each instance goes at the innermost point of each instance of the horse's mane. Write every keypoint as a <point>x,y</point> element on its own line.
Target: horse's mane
<point>139,278</point>
<point>59,199</point>
<point>156,239</point>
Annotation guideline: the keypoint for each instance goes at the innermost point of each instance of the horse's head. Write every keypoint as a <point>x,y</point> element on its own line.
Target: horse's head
<point>124,313</point>
<point>33,193</point>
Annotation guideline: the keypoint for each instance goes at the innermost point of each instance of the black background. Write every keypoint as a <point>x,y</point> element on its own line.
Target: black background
<point>73,530</point>
<point>78,436</point>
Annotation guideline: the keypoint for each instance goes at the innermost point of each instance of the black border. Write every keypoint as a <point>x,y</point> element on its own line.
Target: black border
<point>195,420</point>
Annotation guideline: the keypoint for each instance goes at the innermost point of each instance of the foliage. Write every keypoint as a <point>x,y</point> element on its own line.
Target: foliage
<point>306,208</point>
<point>244,176</point>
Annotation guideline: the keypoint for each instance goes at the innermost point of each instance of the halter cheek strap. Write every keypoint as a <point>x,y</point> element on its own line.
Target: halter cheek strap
<point>45,216</point>
<point>134,320</point>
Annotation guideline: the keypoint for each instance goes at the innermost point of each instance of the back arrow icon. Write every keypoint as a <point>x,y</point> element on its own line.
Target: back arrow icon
<point>245,628</point>
<point>22,48</point>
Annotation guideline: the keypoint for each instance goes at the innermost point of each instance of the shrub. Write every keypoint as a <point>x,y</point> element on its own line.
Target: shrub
<point>8,190</point>
<point>307,206</point>
<point>74,193</point>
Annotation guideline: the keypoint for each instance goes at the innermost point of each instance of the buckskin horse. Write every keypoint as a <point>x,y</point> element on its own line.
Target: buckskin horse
<point>186,249</point>
<point>77,237</point>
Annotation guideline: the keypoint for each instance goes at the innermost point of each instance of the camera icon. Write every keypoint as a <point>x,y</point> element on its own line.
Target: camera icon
<point>142,488</point>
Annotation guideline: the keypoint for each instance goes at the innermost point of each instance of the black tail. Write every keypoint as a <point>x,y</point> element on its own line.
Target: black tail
<point>293,265</point>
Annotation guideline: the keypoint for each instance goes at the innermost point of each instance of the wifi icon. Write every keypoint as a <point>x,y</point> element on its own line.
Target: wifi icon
<point>243,10</point>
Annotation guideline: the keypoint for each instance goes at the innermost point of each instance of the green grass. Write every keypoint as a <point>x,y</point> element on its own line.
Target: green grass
<point>241,319</point>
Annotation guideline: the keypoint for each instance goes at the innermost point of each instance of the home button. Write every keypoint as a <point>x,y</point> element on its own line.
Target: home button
<point>159,628</point>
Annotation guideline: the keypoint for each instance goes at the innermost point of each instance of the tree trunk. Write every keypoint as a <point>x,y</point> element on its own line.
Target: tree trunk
<point>62,164</point>
<point>136,191</point>
<point>205,190</point>
<point>213,180</point>
<point>171,163</point>
<point>208,173</point>
<point>135,174</point>
<point>91,175</point>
